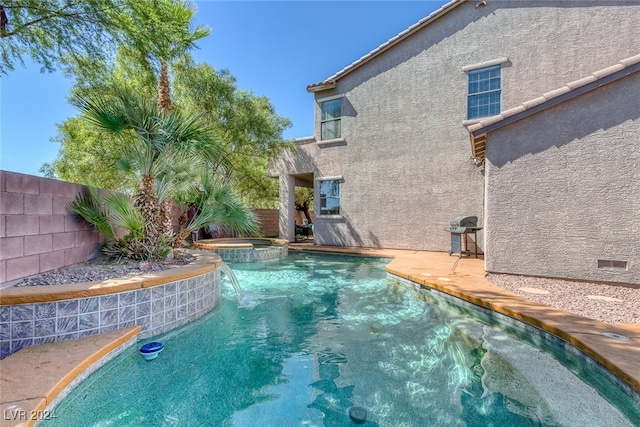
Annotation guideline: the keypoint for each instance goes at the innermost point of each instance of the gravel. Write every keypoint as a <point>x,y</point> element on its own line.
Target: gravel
<point>102,268</point>
<point>609,303</point>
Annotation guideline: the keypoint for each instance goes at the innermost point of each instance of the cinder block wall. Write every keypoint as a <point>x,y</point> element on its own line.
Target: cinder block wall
<point>38,233</point>
<point>268,221</point>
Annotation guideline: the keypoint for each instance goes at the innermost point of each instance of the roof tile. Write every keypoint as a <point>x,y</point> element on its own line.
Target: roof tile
<point>631,61</point>
<point>609,70</point>
<point>514,110</point>
<point>556,92</point>
<point>581,82</point>
<point>569,87</point>
<point>533,102</point>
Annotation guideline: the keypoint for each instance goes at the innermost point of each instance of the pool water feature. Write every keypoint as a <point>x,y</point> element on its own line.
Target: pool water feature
<point>325,334</point>
<point>231,277</point>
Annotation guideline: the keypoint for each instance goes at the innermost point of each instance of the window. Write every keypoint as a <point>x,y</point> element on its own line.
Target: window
<point>330,197</point>
<point>484,92</point>
<point>330,127</point>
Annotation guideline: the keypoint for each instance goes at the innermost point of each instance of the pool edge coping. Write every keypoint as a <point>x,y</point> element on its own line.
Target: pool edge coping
<point>41,405</point>
<point>616,357</point>
<point>621,358</point>
<point>235,243</point>
<point>205,262</point>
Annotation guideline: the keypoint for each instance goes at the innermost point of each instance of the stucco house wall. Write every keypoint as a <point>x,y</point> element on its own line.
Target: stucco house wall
<point>565,189</point>
<point>405,161</point>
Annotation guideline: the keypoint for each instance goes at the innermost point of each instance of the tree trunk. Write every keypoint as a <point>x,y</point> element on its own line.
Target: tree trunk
<point>166,217</point>
<point>164,89</point>
<point>165,222</point>
<point>182,232</point>
<point>147,201</point>
<point>4,21</point>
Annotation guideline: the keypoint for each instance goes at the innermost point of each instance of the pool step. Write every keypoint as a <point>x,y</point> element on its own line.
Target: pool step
<point>36,378</point>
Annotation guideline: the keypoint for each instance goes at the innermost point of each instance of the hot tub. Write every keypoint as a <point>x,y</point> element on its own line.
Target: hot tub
<point>245,249</point>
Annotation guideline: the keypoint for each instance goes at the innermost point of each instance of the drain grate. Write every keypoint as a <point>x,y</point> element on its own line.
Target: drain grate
<point>358,414</point>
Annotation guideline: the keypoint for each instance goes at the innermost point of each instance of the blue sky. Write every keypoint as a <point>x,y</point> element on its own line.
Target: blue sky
<point>274,49</point>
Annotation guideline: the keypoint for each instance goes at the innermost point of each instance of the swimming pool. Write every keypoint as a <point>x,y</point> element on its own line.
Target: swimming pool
<point>317,335</point>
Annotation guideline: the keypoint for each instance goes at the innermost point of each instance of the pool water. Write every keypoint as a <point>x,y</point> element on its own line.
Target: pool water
<point>318,335</point>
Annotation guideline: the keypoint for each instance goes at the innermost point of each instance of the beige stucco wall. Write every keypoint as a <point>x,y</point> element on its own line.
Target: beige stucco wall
<point>564,188</point>
<point>406,159</point>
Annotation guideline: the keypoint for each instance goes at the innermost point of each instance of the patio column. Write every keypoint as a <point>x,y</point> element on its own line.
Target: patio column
<point>287,207</point>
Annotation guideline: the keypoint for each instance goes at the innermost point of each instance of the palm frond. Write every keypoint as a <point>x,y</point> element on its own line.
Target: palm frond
<point>87,205</point>
<point>242,221</point>
<point>122,213</point>
<point>102,111</point>
<point>217,204</point>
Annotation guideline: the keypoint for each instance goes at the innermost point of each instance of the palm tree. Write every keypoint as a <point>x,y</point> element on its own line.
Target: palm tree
<point>170,21</point>
<point>167,146</point>
<point>215,203</point>
<point>116,211</point>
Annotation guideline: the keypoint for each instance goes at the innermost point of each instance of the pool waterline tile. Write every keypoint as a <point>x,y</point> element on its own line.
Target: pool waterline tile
<point>44,327</point>
<point>143,295</point>
<point>108,317</point>
<point>66,325</point>
<point>45,310</point>
<point>127,314</point>
<point>22,312</point>
<point>88,321</point>
<point>67,308</point>
<point>88,305</point>
<point>143,309</point>
<point>22,330</point>
<point>109,302</point>
<point>127,298</point>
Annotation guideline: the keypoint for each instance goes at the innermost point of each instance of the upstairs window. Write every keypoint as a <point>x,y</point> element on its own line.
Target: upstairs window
<point>330,197</point>
<point>485,92</point>
<point>330,126</point>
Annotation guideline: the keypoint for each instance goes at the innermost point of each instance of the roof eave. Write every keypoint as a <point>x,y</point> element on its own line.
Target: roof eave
<point>478,132</point>
<point>319,87</point>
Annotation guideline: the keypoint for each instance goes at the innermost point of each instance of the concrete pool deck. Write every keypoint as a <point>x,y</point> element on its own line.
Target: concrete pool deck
<point>31,381</point>
<point>35,377</point>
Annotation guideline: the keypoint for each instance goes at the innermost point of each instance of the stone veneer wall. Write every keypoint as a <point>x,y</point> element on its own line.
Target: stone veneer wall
<point>38,232</point>
<point>156,309</point>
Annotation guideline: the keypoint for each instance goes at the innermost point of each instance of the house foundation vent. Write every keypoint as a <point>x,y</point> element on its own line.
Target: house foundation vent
<point>612,264</point>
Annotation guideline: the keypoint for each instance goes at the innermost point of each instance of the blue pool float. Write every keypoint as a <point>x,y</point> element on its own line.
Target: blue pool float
<point>150,350</point>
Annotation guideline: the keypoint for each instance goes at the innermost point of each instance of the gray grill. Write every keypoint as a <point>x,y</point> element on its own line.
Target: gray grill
<point>463,226</point>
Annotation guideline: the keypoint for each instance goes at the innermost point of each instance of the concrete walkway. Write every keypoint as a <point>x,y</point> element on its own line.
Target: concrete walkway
<point>34,377</point>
